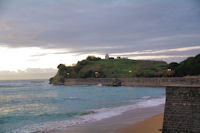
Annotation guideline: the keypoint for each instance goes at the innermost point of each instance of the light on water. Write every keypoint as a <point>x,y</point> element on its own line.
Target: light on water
<point>24,104</point>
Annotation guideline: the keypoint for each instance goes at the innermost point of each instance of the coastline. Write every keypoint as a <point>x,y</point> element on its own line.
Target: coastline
<point>115,124</point>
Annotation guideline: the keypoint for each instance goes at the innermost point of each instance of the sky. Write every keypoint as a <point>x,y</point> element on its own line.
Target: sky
<point>37,35</point>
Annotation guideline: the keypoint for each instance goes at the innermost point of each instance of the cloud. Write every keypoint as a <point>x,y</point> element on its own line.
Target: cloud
<point>66,31</point>
<point>168,55</point>
<point>6,26</point>
<point>183,49</point>
<point>53,53</point>
<point>160,57</point>
<point>30,73</point>
<point>135,24</point>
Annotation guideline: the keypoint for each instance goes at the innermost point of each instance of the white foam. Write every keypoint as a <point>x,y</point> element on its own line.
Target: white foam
<point>110,112</point>
<point>99,114</point>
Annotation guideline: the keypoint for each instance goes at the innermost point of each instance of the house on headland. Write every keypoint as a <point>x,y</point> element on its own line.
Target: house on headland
<point>107,57</point>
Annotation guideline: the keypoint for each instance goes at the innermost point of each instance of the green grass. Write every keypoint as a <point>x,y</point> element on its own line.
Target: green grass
<point>123,68</point>
<point>126,68</point>
<point>113,68</point>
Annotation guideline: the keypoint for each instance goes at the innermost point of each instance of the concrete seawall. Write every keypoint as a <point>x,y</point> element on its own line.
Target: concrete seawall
<point>157,82</point>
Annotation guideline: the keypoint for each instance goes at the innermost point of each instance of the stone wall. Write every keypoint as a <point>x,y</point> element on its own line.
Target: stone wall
<point>182,109</point>
<point>134,81</point>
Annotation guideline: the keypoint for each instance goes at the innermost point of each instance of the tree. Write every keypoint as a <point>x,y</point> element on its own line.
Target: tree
<point>93,58</point>
<point>190,66</point>
<point>61,69</point>
<point>173,65</point>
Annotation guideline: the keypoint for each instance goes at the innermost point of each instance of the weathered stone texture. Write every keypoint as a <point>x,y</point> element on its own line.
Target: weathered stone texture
<point>182,110</point>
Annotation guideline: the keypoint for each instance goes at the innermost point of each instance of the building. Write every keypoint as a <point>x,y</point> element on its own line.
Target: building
<point>107,57</point>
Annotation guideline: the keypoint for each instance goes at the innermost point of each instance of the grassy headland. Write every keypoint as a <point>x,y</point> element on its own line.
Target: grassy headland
<point>94,67</point>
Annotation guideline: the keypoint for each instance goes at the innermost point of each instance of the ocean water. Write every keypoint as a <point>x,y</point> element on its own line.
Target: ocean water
<point>34,105</point>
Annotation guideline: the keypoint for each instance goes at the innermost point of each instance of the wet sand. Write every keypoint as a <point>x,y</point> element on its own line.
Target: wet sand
<point>150,125</point>
<point>134,121</point>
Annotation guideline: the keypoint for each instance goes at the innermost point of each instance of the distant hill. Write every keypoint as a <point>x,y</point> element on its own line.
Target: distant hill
<point>94,67</point>
<point>188,67</point>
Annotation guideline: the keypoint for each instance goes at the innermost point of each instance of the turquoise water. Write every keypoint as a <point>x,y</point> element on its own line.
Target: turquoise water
<point>30,106</point>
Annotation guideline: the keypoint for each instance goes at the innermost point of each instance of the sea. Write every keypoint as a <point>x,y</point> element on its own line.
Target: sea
<point>30,106</point>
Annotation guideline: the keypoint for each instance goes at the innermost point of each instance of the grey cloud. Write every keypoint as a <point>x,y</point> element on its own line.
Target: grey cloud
<point>83,25</point>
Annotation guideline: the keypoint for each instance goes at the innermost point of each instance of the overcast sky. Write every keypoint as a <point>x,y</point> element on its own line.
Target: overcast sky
<point>44,33</point>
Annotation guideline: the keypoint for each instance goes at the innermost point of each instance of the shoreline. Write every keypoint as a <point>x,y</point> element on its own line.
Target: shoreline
<point>116,123</point>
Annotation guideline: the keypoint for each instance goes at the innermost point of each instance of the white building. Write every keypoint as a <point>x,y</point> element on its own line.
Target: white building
<point>107,57</point>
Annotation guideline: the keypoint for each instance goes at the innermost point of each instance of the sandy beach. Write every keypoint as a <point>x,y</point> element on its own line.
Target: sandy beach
<point>134,121</point>
<point>150,125</point>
